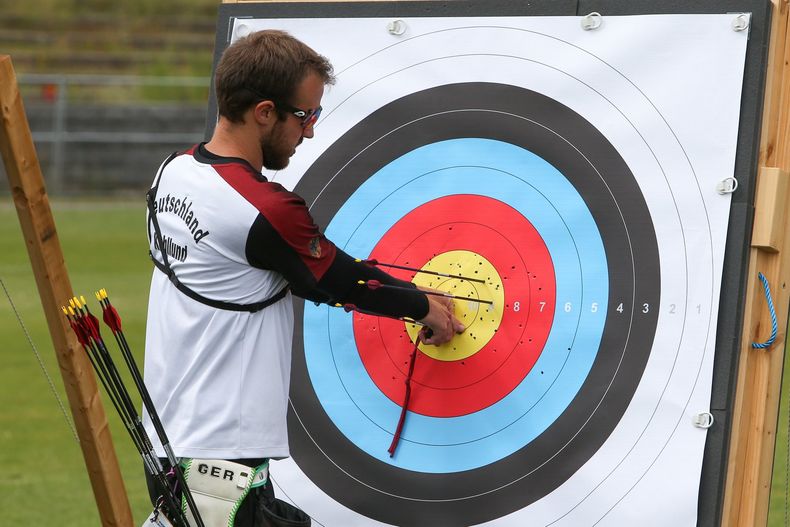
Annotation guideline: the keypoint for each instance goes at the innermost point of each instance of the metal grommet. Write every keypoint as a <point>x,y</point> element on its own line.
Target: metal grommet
<point>243,30</point>
<point>396,27</point>
<point>727,185</point>
<point>740,22</point>
<point>703,420</point>
<point>592,21</point>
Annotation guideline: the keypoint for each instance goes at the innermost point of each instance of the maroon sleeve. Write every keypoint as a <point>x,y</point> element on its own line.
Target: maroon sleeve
<point>284,238</point>
<point>287,213</point>
<point>285,217</point>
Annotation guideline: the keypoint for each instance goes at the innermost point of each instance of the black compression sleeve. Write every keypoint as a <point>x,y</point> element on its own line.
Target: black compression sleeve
<point>340,283</point>
<point>267,249</point>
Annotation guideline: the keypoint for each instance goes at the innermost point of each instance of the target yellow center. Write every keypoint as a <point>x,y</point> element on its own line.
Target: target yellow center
<point>481,320</point>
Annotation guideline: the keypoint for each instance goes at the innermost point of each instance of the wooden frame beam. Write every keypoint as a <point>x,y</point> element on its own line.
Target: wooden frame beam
<point>38,228</point>
<point>759,377</point>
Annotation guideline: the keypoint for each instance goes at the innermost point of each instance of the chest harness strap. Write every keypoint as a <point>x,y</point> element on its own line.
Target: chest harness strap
<point>165,267</point>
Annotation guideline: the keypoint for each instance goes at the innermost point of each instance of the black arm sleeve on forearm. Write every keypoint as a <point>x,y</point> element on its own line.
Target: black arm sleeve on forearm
<point>340,283</point>
<point>267,248</point>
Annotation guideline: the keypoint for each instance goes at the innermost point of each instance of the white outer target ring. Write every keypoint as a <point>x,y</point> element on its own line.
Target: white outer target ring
<point>631,122</point>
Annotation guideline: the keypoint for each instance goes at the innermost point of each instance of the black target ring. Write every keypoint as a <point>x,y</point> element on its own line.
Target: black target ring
<point>575,147</point>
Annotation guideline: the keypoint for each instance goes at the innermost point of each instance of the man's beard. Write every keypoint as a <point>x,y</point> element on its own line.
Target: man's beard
<point>276,153</point>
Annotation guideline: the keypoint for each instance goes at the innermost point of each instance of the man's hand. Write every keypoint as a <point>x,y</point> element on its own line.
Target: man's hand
<point>440,320</point>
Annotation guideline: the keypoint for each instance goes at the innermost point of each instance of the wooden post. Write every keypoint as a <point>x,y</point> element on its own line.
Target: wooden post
<point>54,287</point>
<point>756,407</point>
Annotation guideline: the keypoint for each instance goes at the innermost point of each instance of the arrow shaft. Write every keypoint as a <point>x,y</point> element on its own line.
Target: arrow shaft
<point>352,307</point>
<point>435,293</point>
<point>110,379</point>
<point>151,409</point>
<point>426,271</point>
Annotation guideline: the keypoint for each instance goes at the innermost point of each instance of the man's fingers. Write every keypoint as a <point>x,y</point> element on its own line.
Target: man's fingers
<point>446,333</point>
<point>458,326</point>
<point>426,334</point>
<point>442,321</point>
<point>435,335</point>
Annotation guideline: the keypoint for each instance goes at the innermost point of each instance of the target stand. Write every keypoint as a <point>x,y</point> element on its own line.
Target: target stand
<point>576,180</point>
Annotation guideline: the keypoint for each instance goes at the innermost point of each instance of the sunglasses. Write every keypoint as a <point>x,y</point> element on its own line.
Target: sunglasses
<point>307,117</point>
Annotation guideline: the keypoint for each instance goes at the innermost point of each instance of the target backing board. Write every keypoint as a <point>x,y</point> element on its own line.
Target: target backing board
<point>581,169</point>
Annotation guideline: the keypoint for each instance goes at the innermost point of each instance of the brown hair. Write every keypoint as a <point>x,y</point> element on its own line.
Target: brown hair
<point>269,64</point>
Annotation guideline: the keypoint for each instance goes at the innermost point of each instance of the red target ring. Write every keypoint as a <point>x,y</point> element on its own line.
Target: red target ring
<point>504,237</point>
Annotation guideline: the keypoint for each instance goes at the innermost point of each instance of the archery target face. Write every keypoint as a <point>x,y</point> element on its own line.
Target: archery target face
<point>539,158</point>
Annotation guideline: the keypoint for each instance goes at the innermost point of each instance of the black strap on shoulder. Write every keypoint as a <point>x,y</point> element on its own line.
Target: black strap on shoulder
<point>165,267</point>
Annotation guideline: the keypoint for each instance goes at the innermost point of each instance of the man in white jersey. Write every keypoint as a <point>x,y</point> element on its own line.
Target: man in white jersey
<point>230,248</point>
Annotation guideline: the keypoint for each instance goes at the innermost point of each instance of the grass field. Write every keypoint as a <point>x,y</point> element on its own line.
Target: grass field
<point>43,476</point>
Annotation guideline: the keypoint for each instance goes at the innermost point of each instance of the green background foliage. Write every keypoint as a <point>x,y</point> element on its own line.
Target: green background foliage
<point>135,37</point>
<point>44,481</point>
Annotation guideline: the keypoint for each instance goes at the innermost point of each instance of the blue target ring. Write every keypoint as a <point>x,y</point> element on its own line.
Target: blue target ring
<point>544,196</point>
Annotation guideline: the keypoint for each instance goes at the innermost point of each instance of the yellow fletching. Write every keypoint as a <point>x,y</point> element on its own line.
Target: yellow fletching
<point>71,311</point>
<point>65,311</point>
<point>71,302</point>
<point>98,296</point>
<point>77,302</point>
<point>82,299</point>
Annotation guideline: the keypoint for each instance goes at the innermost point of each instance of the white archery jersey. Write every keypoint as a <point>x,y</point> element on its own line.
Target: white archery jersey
<point>218,378</point>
